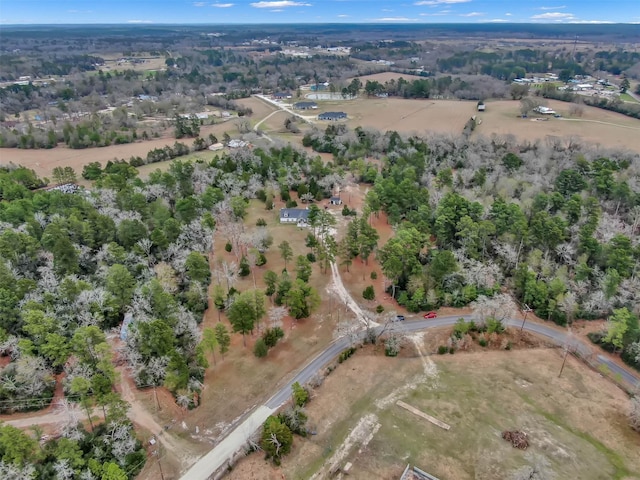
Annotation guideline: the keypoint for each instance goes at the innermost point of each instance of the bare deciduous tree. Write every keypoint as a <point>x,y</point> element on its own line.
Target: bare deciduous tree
<point>276,314</point>
<point>350,329</point>
<point>500,307</point>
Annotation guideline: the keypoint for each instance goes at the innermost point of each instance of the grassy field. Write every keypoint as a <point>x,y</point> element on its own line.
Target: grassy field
<point>595,126</point>
<point>44,161</point>
<point>625,97</point>
<point>575,424</point>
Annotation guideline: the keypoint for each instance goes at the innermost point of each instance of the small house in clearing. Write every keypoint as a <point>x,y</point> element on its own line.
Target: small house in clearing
<point>281,95</point>
<point>294,215</point>
<point>544,110</point>
<point>335,201</point>
<point>332,116</point>
<point>481,106</point>
<point>305,105</point>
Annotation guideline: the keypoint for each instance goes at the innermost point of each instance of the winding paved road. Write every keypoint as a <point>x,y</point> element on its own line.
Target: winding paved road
<point>237,438</point>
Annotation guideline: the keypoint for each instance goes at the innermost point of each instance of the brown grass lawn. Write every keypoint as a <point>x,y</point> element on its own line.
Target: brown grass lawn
<point>576,424</point>
<point>259,107</point>
<point>596,126</point>
<point>44,161</point>
<point>241,381</point>
<point>386,76</point>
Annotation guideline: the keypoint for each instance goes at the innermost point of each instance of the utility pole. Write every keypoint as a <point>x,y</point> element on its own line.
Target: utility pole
<point>155,394</point>
<point>566,350</point>
<point>158,455</point>
<point>564,360</point>
<point>526,311</point>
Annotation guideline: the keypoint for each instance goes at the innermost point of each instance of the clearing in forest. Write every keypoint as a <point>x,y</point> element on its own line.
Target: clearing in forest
<point>576,424</point>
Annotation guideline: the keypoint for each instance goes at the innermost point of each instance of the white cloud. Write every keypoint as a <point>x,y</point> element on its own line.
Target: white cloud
<point>394,19</point>
<point>343,16</point>
<point>595,22</point>
<point>472,14</point>
<point>553,8</point>
<point>553,16</point>
<point>139,21</point>
<point>387,10</point>
<point>432,14</point>
<point>279,4</point>
<point>508,14</point>
<point>276,10</point>
<point>497,20</point>
<point>433,3</point>
<point>199,4</point>
<point>222,5</point>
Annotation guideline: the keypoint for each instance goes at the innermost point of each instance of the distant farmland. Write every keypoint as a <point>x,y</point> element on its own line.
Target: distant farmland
<point>596,126</point>
<point>501,117</point>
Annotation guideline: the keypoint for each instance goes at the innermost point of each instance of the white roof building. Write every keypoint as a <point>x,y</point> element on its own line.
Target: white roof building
<point>544,110</point>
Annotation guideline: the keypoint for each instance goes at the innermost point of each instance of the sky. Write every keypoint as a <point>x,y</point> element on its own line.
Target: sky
<point>317,11</point>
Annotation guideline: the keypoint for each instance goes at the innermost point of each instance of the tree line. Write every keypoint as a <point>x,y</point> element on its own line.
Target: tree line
<point>554,221</point>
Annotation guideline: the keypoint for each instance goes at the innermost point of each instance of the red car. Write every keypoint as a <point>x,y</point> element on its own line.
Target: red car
<point>430,315</point>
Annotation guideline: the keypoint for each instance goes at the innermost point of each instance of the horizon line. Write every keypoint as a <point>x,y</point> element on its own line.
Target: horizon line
<point>151,23</point>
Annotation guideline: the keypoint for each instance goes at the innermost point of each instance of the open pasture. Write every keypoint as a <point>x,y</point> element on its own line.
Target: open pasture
<point>502,117</point>
<point>575,424</point>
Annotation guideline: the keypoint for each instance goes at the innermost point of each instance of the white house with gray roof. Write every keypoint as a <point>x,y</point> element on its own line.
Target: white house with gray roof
<point>294,215</point>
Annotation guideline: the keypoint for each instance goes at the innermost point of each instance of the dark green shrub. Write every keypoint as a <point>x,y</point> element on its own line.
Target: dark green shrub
<point>228,247</point>
<point>136,161</point>
<point>346,354</point>
<point>300,395</point>
<point>272,335</point>
<point>452,350</point>
<point>442,349</point>
<point>261,260</point>
<point>461,328</point>
<point>261,222</point>
<point>494,326</point>
<point>374,275</point>
<point>311,257</point>
<point>244,267</point>
<point>260,349</point>
<point>369,293</point>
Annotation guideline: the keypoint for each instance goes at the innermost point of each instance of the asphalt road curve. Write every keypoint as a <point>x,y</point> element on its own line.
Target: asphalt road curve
<point>236,438</point>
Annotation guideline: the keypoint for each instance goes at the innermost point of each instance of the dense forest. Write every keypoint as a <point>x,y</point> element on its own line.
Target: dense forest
<point>554,222</point>
<point>130,259</point>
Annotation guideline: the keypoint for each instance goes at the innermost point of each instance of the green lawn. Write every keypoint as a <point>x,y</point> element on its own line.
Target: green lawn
<point>625,97</point>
